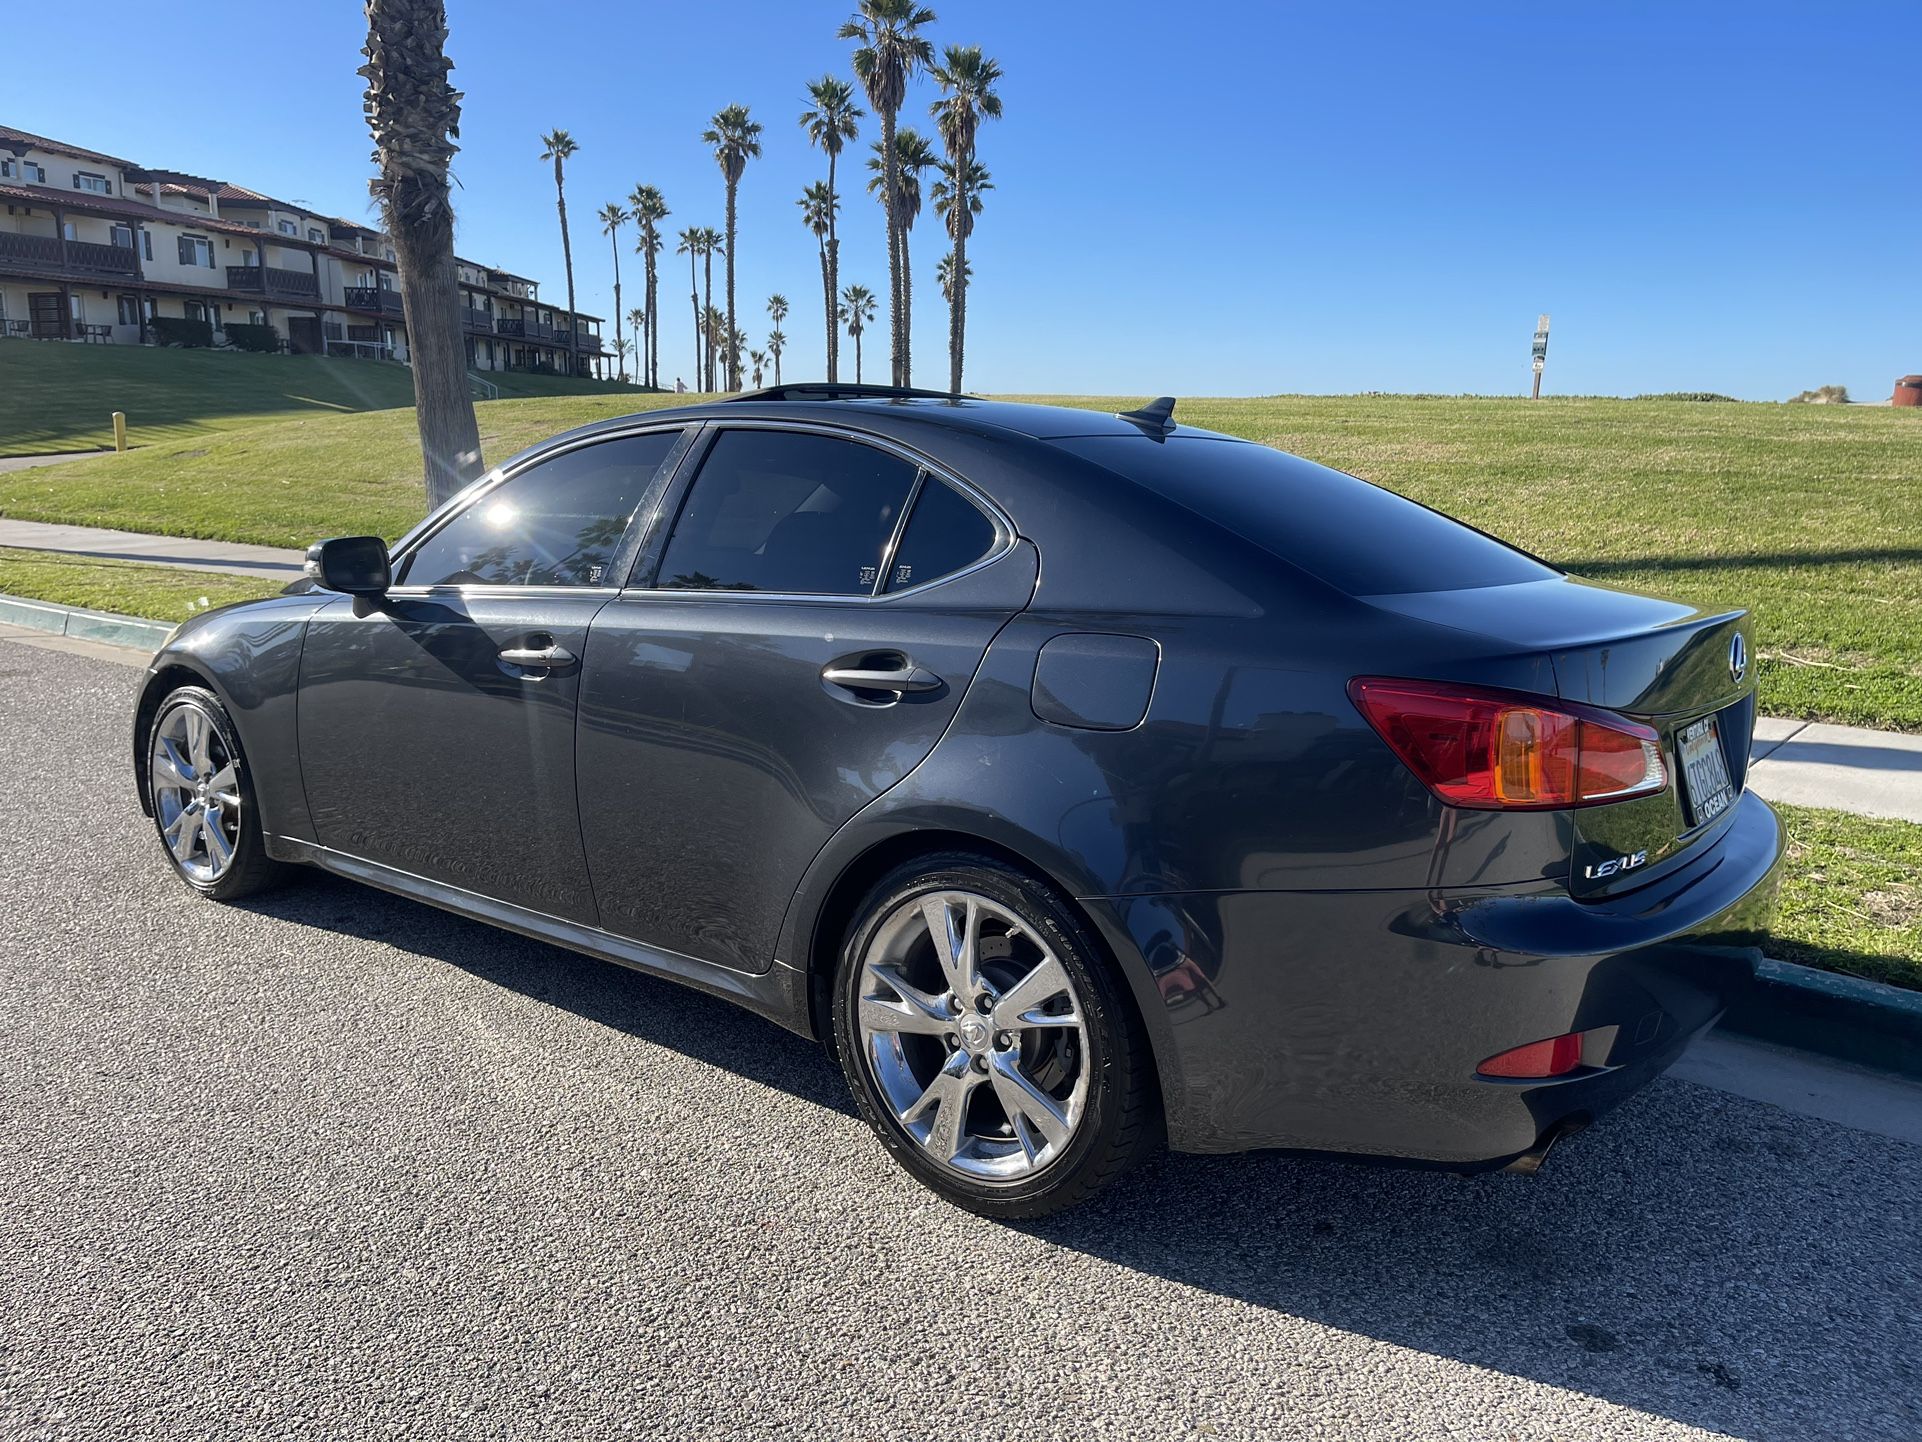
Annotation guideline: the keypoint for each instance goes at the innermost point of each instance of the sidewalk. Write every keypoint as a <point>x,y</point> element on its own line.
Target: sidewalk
<point>1806,763</point>
<point>268,561</point>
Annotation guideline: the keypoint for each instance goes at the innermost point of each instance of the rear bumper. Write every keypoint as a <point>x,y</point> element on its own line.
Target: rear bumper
<point>1352,1022</point>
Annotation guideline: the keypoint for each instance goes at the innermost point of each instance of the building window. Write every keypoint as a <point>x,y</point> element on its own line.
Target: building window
<point>193,310</point>
<point>196,250</point>
<point>287,227</point>
<point>122,236</point>
<point>316,235</point>
<point>146,244</point>
<point>387,253</point>
<point>98,184</point>
<point>255,317</point>
<point>36,172</point>
<point>7,169</point>
<point>129,310</point>
<point>66,229</point>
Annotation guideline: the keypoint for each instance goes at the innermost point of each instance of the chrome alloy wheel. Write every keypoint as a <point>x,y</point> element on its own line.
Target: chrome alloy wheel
<point>971,1028</point>
<point>196,793</point>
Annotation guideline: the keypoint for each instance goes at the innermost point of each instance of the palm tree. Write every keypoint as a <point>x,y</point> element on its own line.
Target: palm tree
<point>944,270</point>
<point>714,327</point>
<point>612,218</point>
<point>857,311</point>
<point>829,122</point>
<point>967,79</point>
<point>818,205</point>
<point>649,211</point>
<point>557,146</point>
<point>777,312</point>
<point>912,155</point>
<point>757,359</point>
<point>889,53</point>
<point>690,247</point>
<point>736,140</point>
<point>945,194</point>
<point>412,112</point>
<point>710,243</point>
<point>642,324</point>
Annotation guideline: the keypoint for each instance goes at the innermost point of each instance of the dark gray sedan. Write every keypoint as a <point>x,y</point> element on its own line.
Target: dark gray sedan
<point>1084,781</point>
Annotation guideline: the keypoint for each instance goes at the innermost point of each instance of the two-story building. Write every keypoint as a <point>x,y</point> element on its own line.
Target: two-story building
<point>95,248</point>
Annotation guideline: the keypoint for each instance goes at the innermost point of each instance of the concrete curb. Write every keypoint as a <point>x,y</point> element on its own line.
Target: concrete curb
<point>84,625</point>
<point>1845,1017</point>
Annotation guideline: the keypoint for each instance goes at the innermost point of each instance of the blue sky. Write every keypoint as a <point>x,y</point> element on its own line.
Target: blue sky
<point>1223,199</point>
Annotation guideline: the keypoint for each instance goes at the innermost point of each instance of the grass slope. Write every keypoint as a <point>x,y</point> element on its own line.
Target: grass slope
<point>1810,515</point>
<point>160,593</point>
<point>62,397</point>
<point>1852,896</point>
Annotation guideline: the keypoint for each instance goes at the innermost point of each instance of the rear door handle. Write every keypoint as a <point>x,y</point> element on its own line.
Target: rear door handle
<point>545,658</point>
<point>905,678</point>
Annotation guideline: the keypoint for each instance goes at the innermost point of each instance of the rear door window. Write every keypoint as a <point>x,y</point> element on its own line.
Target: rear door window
<point>787,511</point>
<point>946,533</point>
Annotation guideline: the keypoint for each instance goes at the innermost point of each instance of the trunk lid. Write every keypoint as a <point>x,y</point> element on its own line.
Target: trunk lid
<point>1687,672</point>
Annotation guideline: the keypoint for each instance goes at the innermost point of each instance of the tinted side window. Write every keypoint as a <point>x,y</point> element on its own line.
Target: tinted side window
<point>787,511</point>
<point>945,533</point>
<point>557,524</point>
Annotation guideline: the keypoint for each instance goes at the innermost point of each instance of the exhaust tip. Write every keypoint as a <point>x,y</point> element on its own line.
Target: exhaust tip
<point>1530,1161</point>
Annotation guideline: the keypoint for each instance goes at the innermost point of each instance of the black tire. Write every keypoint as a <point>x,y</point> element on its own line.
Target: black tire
<point>1120,1122</point>
<point>252,870</point>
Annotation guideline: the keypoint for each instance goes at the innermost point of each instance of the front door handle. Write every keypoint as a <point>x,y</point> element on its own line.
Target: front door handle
<point>899,680</point>
<point>544,658</point>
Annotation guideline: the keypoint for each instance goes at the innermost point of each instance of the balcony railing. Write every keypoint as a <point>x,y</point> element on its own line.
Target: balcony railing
<point>270,280</point>
<point>590,343</point>
<point>480,320</point>
<point>79,257</point>
<point>373,297</point>
<point>526,329</point>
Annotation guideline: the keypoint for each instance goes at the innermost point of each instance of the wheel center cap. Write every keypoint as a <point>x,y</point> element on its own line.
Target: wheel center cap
<point>975,1033</point>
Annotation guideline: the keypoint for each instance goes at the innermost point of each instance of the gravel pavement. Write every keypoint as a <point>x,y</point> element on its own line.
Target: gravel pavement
<point>336,1165</point>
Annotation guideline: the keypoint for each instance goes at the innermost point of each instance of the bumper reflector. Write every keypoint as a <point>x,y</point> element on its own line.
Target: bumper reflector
<point>1554,1057</point>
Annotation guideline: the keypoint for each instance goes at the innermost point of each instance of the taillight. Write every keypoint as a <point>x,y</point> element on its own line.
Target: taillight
<point>1495,750</point>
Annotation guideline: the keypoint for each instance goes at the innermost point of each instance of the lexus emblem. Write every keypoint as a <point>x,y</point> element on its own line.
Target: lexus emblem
<point>1737,657</point>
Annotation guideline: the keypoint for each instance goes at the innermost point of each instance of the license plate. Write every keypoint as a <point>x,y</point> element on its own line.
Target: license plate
<point>1705,768</point>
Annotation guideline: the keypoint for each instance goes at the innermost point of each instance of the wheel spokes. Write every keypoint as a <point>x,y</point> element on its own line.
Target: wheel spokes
<point>955,949</point>
<point>1020,1005</point>
<point>1023,1101</point>
<point>219,850</point>
<point>916,1011</point>
<point>180,834</point>
<point>197,740</point>
<point>947,1095</point>
<point>224,786</point>
<point>171,768</point>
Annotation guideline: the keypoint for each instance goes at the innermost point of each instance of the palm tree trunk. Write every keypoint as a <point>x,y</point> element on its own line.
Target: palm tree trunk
<point>694,300</point>
<point>831,272</point>
<point>619,349</point>
<point>857,357</point>
<point>411,119</point>
<point>733,360</point>
<point>907,311</point>
<point>567,259</point>
<point>707,266</point>
<point>958,313</point>
<point>890,183</point>
<point>653,320</point>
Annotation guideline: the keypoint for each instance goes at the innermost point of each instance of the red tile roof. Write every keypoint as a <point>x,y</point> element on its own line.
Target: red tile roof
<point>27,140</point>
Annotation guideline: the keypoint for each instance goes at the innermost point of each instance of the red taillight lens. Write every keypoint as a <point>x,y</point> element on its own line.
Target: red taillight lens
<point>1501,750</point>
<point>1554,1057</point>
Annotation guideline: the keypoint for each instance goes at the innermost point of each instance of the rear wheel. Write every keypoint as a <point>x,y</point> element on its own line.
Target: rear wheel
<point>987,1042</point>
<point>202,798</point>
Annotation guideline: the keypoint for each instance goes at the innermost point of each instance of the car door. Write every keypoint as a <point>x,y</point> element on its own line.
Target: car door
<point>795,645</point>
<point>436,724</point>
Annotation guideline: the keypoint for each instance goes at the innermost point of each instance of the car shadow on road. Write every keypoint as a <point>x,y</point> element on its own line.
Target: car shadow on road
<point>1697,1256</point>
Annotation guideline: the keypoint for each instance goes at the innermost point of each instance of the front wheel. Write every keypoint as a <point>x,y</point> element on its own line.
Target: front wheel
<point>202,798</point>
<point>987,1042</point>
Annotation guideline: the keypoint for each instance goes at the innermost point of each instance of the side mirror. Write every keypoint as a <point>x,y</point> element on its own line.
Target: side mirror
<point>352,565</point>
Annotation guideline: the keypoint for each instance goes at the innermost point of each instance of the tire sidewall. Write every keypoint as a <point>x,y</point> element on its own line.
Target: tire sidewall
<point>1107,1027</point>
<point>249,847</point>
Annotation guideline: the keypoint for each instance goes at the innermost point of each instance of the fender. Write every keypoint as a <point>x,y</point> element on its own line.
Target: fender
<point>249,656</point>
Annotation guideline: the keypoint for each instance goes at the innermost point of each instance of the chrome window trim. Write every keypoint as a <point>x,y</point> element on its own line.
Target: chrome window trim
<point>471,494</point>
<point>1006,536</point>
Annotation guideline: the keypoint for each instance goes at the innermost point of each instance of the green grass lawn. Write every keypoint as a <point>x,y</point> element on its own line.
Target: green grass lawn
<point>1810,515</point>
<point>160,593</point>
<point>1852,896</point>
<point>62,397</point>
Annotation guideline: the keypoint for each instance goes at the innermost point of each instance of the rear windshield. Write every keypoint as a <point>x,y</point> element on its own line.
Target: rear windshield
<point>1356,537</point>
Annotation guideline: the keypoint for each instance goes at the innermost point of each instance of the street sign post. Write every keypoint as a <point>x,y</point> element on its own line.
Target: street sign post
<point>1540,355</point>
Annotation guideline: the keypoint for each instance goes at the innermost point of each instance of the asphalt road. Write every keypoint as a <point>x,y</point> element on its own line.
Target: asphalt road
<point>337,1165</point>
